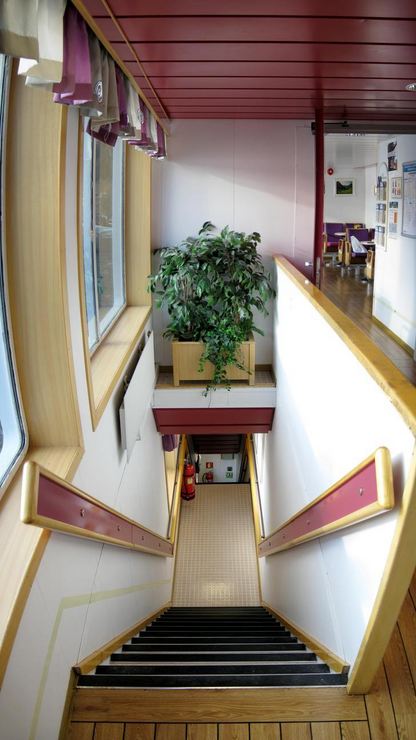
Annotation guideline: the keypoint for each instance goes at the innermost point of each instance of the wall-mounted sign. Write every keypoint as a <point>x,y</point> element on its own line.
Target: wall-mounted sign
<point>409,200</point>
<point>393,218</point>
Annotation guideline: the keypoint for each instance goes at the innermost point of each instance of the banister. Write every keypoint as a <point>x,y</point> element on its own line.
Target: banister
<point>52,503</point>
<point>174,512</point>
<point>364,492</point>
<point>255,494</point>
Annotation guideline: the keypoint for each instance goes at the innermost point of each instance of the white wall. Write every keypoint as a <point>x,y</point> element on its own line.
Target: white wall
<point>220,468</point>
<point>86,593</point>
<point>251,175</point>
<point>370,174</point>
<point>345,208</point>
<point>394,297</point>
<point>330,416</point>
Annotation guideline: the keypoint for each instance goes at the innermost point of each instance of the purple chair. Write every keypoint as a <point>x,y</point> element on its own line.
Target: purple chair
<point>330,240</point>
<point>354,225</point>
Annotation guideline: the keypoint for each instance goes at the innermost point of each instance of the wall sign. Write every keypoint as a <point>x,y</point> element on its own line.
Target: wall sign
<point>409,200</point>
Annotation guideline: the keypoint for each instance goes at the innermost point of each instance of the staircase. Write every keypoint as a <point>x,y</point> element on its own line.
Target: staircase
<point>217,647</point>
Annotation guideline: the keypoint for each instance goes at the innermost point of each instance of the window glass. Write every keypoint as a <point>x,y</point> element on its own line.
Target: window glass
<point>12,432</point>
<point>103,235</point>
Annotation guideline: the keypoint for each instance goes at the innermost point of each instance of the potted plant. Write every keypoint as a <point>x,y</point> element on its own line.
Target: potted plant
<point>210,285</point>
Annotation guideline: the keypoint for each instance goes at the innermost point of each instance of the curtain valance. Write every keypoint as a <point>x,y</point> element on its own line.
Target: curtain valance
<point>58,51</point>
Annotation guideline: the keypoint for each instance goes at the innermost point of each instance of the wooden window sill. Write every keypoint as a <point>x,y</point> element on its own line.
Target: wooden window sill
<point>106,366</point>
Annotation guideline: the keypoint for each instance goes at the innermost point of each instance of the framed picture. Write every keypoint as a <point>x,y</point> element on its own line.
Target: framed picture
<point>344,187</point>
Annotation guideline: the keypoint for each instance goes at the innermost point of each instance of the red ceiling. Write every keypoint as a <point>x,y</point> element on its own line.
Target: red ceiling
<point>269,59</point>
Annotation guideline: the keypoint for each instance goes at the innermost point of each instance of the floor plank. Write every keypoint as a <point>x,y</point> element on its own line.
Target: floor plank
<point>109,731</point>
<point>137,731</point>
<point>264,731</point>
<point>170,732</point>
<point>201,732</point>
<point>412,588</point>
<point>401,686</point>
<point>356,731</point>
<point>221,705</point>
<point>81,731</point>
<point>233,731</point>
<point>296,731</point>
<point>326,731</point>
<point>407,627</point>
<point>380,709</point>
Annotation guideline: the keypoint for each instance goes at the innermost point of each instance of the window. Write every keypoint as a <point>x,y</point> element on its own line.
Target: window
<point>12,431</point>
<point>103,235</point>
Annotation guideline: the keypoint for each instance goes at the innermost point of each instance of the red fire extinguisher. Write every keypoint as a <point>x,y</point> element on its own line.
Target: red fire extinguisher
<point>208,477</point>
<point>188,482</point>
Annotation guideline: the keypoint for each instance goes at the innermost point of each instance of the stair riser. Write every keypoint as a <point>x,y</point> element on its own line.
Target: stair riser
<point>147,638</point>
<point>210,657</point>
<point>325,679</point>
<point>184,647</point>
<point>283,668</point>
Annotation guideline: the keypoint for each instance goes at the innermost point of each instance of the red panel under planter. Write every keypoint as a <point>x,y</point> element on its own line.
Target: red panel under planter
<point>214,421</point>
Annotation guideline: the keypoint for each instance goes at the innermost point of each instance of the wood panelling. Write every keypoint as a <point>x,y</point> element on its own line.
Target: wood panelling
<point>136,731</point>
<point>233,732</point>
<point>36,267</point>
<point>109,731</point>
<point>36,273</point>
<point>326,731</point>
<point>137,227</point>
<point>296,731</point>
<point>202,732</point>
<point>170,732</point>
<point>220,705</point>
<point>222,45</point>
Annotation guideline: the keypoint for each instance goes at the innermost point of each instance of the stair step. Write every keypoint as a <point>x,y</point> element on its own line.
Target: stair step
<point>194,647</point>
<point>211,656</point>
<point>147,637</point>
<point>210,629</point>
<point>161,681</point>
<point>220,618</point>
<point>209,669</point>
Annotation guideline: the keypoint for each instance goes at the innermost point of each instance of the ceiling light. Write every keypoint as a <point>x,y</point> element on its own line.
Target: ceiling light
<point>411,86</point>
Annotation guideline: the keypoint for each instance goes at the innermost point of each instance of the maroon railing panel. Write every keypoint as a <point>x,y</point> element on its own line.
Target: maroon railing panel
<point>350,497</point>
<point>65,506</point>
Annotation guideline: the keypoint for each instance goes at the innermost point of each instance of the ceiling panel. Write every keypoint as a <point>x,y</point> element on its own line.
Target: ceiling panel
<point>235,59</point>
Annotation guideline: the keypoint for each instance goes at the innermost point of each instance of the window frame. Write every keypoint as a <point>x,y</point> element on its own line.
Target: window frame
<point>105,366</point>
<point>101,335</point>
<point>5,81</point>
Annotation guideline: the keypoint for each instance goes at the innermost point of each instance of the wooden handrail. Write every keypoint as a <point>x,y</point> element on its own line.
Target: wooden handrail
<point>52,503</point>
<point>364,492</point>
<point>255,500</point>
<point>173,521</point>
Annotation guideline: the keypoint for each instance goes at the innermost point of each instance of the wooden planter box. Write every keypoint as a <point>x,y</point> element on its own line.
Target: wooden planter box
<point>186,356</point>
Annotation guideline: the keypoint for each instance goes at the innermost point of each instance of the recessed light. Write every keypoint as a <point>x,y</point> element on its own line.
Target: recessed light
<point>411,86</point>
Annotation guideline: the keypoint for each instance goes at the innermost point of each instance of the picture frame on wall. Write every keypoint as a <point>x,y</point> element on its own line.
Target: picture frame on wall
<point>344,187</point>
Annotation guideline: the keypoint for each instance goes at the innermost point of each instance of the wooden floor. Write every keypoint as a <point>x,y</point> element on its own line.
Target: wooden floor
<point>388,712</point>
<point>355,299</point>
